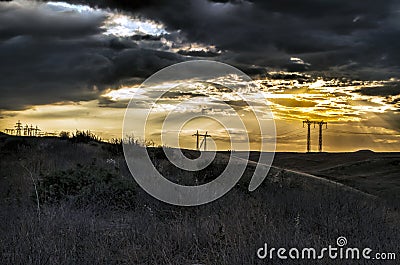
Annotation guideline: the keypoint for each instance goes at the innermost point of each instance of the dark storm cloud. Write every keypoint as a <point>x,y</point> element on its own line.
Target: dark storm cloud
<point>200,53</point>
<point>327,34</point>
<point>390,89</point>
<point>146,37</point>
<point>107,102</point>
<point>49,56</point>
<point>41,72</point>
<point>288,76</point>
<point>18,19</point>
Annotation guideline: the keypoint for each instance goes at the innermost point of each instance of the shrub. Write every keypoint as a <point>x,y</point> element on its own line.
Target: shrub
<point>84,137</point>
<point>64,135</point>
<point>114,146</point>
<point>15,144</point>
<point>87,185</point>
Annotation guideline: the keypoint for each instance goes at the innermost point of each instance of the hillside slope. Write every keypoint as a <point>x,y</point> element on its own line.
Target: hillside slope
<point>91,211</point>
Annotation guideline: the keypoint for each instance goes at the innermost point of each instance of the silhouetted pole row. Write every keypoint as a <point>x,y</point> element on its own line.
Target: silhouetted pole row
<point>321,124</point>
<point>25,130</point>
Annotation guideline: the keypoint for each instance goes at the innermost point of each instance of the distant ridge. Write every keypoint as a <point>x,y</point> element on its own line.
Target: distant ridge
<point>364,151</point>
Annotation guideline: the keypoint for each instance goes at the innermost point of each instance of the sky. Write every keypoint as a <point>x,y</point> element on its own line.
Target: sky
<point>76,64</point>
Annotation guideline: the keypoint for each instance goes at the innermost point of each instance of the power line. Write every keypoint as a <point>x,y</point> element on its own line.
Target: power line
<point>291,136</point>
<point>367,133</point>
<point>288,132</point>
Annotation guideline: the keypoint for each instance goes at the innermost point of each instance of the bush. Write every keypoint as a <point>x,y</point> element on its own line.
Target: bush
<point>114,146</point>
<point>64,135</point>
<point>84,137</point>
<point>87,185</point>
<point>15,144</point>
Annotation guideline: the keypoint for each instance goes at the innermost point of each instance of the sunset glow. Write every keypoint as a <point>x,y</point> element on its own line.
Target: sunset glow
<point>121,49</point>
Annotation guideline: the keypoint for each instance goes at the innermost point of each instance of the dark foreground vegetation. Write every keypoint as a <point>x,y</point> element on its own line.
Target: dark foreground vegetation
<point>70,201</point>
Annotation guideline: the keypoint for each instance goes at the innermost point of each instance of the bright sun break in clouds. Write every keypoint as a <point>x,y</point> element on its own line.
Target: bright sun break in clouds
<point>337,102</point>
<point>116,24</point>
<point>358,113</point>
<point>124,25</point>
<point>333,101</point>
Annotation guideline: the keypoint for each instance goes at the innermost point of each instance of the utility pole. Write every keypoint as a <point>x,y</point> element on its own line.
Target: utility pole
<point>26,129</point>
<point>37,131</point>
<point>18,128</point>
<point>308,134</point>
<point>321,123</point>
<point>205,140</point>
<point>198,146</point>
<point>31,131</point>
<point>197,139</point>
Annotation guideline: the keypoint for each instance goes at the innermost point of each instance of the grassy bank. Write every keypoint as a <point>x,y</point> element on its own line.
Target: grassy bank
<point>92,212</point>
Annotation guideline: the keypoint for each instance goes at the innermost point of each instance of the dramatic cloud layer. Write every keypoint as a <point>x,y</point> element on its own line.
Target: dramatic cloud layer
<point>55,51</point>
<point>358,36</point>
<point>336,60</point>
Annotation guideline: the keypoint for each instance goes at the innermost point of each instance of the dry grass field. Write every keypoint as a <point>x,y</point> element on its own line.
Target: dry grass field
<point>89,210</point>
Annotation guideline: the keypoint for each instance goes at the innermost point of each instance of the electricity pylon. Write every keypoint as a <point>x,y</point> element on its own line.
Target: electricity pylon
<point>198,146</point>
<point>18,128</point>
<point>37,131</point>
<point>205,140</point>
<point>321,124</point>
<point>31,131</point>
<point>308,134</point>
<point>197,139</point>
<point>26,129</point>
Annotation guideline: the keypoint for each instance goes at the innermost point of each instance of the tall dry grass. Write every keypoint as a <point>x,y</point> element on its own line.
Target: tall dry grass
<point>281,213</point>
